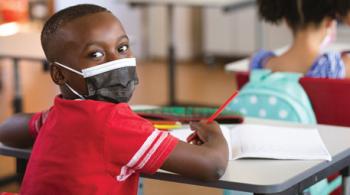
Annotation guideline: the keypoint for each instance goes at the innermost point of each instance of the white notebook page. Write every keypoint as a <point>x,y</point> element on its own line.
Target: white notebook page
<point>264,141</point>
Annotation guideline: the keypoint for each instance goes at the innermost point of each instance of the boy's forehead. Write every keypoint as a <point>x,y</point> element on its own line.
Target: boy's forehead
<point>91,27</point>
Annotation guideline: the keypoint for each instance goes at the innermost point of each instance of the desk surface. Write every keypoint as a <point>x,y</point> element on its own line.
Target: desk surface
<point>273,176</point>
<point>24,45</point>
<point>243,65</point>
<point>261,175</point>
<point>213,3</point>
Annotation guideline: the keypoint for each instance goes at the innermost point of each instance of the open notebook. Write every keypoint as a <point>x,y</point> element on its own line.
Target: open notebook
<point>263,141</point>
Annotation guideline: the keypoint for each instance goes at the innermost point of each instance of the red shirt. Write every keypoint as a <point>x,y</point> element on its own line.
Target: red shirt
<point>93,147</point>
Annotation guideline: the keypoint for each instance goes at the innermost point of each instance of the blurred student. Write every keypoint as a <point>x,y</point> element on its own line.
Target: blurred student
<point>313,25</point>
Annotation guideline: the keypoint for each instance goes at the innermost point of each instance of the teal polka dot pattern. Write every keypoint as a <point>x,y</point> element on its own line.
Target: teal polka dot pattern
<point>276,96</point>
<point>264,106</point>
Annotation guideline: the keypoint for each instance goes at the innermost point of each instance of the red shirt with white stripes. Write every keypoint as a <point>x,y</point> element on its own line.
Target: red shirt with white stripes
<point>93,147</point>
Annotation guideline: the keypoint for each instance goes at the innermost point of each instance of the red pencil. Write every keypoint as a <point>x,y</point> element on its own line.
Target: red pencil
<point>213,116</point>
<point>222,107</point>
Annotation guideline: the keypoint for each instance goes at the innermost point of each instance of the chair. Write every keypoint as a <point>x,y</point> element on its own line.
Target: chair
<point>330,99</point>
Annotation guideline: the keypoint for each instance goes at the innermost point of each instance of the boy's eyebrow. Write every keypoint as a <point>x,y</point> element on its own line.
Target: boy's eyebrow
<point>118,39</point>
<point>123,37</point>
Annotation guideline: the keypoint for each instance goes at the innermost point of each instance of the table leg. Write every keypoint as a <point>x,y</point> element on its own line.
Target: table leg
<point>171,57</point>
<point>1,79</point>
<point>346,180</point>
<point>46,65</point>
<point>17,101</point>
<point>18,107</point>
<point>21,165</point>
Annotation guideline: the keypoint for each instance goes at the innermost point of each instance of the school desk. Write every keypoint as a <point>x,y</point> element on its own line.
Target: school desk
<point>242,65</point>
<point>262,176</point>
<point>226,5</point>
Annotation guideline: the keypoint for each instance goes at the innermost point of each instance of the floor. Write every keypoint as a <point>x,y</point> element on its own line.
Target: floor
<point>196,83</point>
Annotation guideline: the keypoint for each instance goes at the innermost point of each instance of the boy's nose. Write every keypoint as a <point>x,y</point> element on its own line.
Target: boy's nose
<point>112,56</point>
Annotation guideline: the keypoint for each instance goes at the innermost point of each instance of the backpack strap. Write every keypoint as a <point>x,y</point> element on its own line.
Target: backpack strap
<point>259,59</point>
<point>262,74</point>
<point>286,76</point>
<point>258,75</point>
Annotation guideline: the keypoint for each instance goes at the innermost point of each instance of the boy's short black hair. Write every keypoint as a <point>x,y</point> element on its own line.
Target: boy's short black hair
<point>61,18</point>
<point>297,13</point>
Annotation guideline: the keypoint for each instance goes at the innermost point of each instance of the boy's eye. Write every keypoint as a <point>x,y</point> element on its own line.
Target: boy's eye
<point>96,54</point>
<point>123,48</point>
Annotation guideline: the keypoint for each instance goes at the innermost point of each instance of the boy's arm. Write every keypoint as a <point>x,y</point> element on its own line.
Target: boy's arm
<point>207,161</point>
<point>15,131</point>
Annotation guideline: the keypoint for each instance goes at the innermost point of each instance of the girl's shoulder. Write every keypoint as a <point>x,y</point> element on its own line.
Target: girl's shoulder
<point>328,65</point>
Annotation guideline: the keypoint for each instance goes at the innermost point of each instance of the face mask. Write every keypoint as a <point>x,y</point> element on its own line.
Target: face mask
<point>113,81</point>
<point>331,35</point>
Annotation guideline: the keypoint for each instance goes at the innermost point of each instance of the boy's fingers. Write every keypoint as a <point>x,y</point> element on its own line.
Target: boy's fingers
<point>196,141</point>
<point>199,142</point>
<point>193,126</point>
<point>205,121</point>
<point>191,137</point>
<point>201,137</point>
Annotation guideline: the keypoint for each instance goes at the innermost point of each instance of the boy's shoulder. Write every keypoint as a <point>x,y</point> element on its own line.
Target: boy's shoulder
<point>88,104</point>
<point>90,113</point>
<point>94,109</point>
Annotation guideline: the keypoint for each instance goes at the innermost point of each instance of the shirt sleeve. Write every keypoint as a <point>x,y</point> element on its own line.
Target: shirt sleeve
<point>36,122</point>
<point>136,146</point>
<point>328,65</point>
<point>259,59</point>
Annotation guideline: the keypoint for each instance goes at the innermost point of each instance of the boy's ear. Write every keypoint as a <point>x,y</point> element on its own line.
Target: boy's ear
<point>56,74</point>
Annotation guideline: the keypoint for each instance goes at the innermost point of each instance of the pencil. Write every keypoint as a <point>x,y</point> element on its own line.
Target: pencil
<point>167,126</point>
<point>162,122</point>
<point>194,135</point>
<point>222,107</point>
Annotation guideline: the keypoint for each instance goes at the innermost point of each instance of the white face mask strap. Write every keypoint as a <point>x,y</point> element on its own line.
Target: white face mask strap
<point>68,68</point>
<point>75,92</point>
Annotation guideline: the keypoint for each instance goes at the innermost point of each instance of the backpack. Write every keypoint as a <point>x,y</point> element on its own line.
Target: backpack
<point>277,96</point>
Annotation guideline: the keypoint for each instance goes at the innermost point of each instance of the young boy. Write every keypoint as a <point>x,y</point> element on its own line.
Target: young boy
<point>90,141</point>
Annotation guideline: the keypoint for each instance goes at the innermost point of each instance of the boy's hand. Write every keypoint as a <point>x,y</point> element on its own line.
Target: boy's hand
<point>206,158</point>
<point>203,131</point>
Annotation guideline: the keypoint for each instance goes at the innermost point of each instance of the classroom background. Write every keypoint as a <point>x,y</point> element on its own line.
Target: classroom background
<point>205,39</point>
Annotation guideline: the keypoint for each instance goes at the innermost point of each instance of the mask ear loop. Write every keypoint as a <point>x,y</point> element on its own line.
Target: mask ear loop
<point>75,92</point>
<point>71,69</point>
<point>66,84</point>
